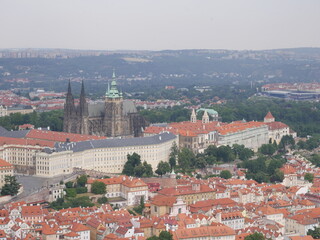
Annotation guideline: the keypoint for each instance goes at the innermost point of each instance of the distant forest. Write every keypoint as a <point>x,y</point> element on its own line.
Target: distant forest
<point>184,68</point>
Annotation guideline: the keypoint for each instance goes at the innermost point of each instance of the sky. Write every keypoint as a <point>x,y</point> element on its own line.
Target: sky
<point>159,24</point>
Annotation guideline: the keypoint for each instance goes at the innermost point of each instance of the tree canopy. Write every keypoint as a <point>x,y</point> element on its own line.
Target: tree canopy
<point>11,186</point>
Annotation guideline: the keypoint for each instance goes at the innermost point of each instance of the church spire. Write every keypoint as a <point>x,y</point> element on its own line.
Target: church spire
<point>69,89</point>
<point>83,102</point>
<point>114,74</point>
<point>113,91</point>
<point>205,117</point>
<point>193,118</point>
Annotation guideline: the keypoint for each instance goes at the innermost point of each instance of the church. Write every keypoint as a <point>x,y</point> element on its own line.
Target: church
<point>115,117</point>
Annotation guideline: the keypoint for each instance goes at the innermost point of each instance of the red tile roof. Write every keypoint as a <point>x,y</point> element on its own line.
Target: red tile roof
<point>269,116</point>
<point>24,142</point>
<point>5,164</point>
<point>59,136</point>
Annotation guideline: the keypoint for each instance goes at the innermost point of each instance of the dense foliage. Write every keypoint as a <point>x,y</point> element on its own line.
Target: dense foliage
<point>11,186</point>
<point>62,203</point>
<point>52,119</point>
<point>255,236</point>
<point>315,233</point>
<point>264,169</point>
<point>164,235</point>
<point>134,167</point>
<point>98,187</point>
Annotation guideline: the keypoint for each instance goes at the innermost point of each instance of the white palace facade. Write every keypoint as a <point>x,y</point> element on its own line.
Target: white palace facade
<point>106,155</point>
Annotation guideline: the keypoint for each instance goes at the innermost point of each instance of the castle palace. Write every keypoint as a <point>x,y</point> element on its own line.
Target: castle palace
<point>114,117</point>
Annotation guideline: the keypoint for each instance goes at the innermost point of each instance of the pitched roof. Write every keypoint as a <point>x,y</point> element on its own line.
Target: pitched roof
<point>59,136</point>
<point>269,115</point>
<point>5,164</point>
<point>276,125</point>
<point>207,231</point>
<point>161,200</point>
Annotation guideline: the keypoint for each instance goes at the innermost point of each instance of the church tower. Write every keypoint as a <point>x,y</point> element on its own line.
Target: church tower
<point>69,111</point>
<point>205,117</point>
<point>83,112</point>
<point>269,118</point>
<point>193,118</point>
<point>114,120</point>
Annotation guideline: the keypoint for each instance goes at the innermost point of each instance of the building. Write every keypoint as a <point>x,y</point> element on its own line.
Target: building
<point>113,118</point>
<point>250,134</point>
<point>6,169</point>
<point>106,155</point>
<point>276,129</point>
<point>170,205</point>
<point>19,147</point>
<point>197,135</point>
<point>190,193</point>
<point>220,232</point>
<point>129,188</point>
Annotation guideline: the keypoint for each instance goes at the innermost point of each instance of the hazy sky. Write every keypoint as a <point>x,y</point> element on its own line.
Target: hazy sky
<point>161,24</point>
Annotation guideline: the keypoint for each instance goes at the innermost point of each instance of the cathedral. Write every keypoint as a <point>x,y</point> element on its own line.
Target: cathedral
<point>115,117</point>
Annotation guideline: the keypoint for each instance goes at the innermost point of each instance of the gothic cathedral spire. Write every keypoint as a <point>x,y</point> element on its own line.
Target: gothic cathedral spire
<point>83,102</point>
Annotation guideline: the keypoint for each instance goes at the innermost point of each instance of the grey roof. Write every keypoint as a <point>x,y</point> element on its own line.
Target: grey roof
<point>13,134</point>
<point>112,143</point>
<point>98,109</point>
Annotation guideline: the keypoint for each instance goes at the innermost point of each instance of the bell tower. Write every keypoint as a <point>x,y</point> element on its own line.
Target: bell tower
<point>113,119</point>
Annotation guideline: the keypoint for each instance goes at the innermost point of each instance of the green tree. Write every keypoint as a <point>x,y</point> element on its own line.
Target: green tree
<point>11,186</point>
<point>287,141</point>
<point>132,161</point>
<point>71,192</point>
<point>225,154</point>
<point>172,162</point>
<point>81,202</point>
<point>165,235</point>
<point>162,168</point>
<point>148,172</point>
<point>185,158</point>
<point>226,174</point>
<point>315,233</point>
<point>69,184</point>
<point>98,187</point>
<point>255,236</point>
<point>309,177</point>
<point>267,149</point>
<point>102,200</point>
<point>211,150</point>
<point>82,180</point>
<point>138,171</point>
<point>278,176</point>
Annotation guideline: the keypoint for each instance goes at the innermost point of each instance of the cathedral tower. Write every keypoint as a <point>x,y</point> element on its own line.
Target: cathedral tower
<point>83,111</point>
<point>114,119</point>
<point>69,111</point>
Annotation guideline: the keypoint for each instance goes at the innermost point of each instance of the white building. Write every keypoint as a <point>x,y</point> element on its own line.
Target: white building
<point>106,155</point>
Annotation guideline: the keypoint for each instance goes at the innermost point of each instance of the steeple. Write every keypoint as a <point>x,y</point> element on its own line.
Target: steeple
<point>69,97</point>
<point>69,89</point>
<point>193,118</point>
<point>113,91</point>
<point>269,118</point>
<point>83,102</point>
<point>205,117</point>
